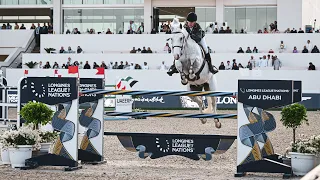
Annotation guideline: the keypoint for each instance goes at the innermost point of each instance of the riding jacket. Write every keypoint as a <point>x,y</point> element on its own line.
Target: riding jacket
<point>196,33</point>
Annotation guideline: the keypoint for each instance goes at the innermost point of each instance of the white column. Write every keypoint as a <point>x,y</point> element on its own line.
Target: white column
<point>57,16</point>
<point>147,16</point>
<point>285,15</point>
<point>219,12</point>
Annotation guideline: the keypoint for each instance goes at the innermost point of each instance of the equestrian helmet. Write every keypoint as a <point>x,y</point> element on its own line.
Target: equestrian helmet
<point>192,17</point>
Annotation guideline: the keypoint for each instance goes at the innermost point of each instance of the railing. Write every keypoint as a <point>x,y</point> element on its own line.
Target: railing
<point>25,2</point>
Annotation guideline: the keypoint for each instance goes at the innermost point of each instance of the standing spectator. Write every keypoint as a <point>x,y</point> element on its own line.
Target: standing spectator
<point>80,65</point>
<point>166,48</point>
<point>9,26</point>
<point>252,61</point>
<point>311,66</point>
<point>47,65</point>
<point>50,29</point>
<point>86,66</point>
<point>228,67</point>
<point>305,50</point>
<point>44,29</point>
<point>62,50</point>
<point>222,67</point>
<point>37,32</point>
<point>277,63</point>
<point>309,46</point>
<point>315,50</point>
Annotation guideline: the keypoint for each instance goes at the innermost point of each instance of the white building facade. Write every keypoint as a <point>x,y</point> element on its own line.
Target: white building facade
<point>115,15</point>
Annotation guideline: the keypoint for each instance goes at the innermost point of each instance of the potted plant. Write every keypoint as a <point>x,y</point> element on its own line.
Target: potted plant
<point>31,64</point>
<point>20,144</point>
<point>293,116</point>
<point>47,139</point>
<point>49,50</point>
<point>5,159</point>
<point>36,113</point>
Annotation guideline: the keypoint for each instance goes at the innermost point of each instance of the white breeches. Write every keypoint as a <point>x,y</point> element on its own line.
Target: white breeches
<point>203,43</point>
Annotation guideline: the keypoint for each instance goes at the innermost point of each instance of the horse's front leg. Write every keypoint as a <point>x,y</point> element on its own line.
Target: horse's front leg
<point>192,75</point>
<point>184,80</point>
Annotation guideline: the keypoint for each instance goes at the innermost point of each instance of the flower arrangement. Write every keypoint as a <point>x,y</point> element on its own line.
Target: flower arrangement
<point>48,136</point>
<point>25,135</point>
<point>309,146</point>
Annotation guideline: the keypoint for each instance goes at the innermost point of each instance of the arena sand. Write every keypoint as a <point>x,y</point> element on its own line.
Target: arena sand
<point>122,164</point>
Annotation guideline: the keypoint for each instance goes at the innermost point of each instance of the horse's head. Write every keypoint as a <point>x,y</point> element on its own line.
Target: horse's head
<point>178,39</point>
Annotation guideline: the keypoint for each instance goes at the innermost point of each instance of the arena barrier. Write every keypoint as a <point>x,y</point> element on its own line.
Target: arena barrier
<point>8,99</point>
<point>254,148</point>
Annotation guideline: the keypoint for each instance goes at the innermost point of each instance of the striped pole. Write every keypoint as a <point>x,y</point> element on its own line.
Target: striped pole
<point>158,93</point>
<point>173,115</point>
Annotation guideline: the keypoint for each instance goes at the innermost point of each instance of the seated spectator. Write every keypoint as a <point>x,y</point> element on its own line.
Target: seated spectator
<point>133,50</point>
<point>103,65</point>
<point>76,63</point>
<point>95,65</point>
<point>255,50</point>
<point>295,50</point>
<point>300,31</point>
<point>115,66</point>
<point>293,31</point>
<point>145,66</point>
<point>305,50</point>
<point>87,66</point>
<point>252,61</point>
<point>40,66</point>
<point>22,27</point>
<point>228,30</point>
<point>80,65</point>
<point>248,50</point>
<point>79,50</point>
<point>215,31</point>
<point>221,31</point>
<point>47,65</point>
<point>240,65</point>
<point>228,67</point>
<point>126,66</point>
<point>167,48</point>
<point>315,50</point>
<point>139,50</point>
<point>64,66</point>
<point>222,67</point>
<point>69,50</point>
<point>68,64</point>
<point>271,51</point>
<point>149,50</point>
<point>144,50</point>
<point>311,66</point>
<point>131,66</point>
<point>235,67</point>
<point>108,31</point>
<point>62,50</point>
<point>240,50</point>
<point>121,65</point>
<point>163,66</point>
<point>249,66</point>
<point>265,31</point>
<point>137,66</point>
<point>259,31</point>
<point>55,65</point>
<point>153,31</point>
<point>282,47</point>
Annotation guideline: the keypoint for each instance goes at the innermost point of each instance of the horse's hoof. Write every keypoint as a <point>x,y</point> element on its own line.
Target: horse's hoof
<point>192,77</point>
<point>191,71</point>
<point>203,120</point>
<point>218,125</point>
<point>184,82</point>
<point>216,120</point>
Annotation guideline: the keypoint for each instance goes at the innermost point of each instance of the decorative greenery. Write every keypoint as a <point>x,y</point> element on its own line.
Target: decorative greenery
<point>49,50</point>
<point>36,113</point>
<point>309,146</point>
<point>294,116</point>
<point>48,136</point>
<point>23,136</point>
<point>31,64</point>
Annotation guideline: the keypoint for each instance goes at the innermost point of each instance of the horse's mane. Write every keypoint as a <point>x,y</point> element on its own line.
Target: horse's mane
<point>176,26</point>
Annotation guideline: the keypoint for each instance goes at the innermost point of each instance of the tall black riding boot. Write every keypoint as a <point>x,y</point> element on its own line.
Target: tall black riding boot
<point>211,69</point>
<point>172,70</point>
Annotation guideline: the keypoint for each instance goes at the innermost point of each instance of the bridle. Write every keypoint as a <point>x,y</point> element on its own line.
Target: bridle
<point>184,41</point>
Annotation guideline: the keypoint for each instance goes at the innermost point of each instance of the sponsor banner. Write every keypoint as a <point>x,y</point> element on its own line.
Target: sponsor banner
<point>90,84</point>
<point>12,96</point>
<point>157,102</point>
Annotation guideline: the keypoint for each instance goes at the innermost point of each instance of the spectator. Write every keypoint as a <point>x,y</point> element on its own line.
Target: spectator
<point>108,31</point>
<point>126,66</point>
<point>121,65</point>
<point>222,67</point>
<point>55,65</point>
<point>149,50</point>
<point>144,50</point>
<point>221,30</point>
<point>293,30</point>
<point>33,26</point>
<point>265,31</point>
<point>137,66</point>
<point>248,50</point>
<point>295,50</point>
<point>103,65</point>
<point>22,27</point>
<point>16,27</point>
<point>153,31</point>
<point>79,50</point>
<point>235,67</point>
<point>271,51</point>
<point>282,47</point>
<point>145,66</point>
<point>305,50</point>
<point>249,66</point>
<point>252,61</point>
<point>3,26</point>
<point>167,48</point>
<point>309,46</point>
<point>311,66</point>
<point>87,66</point>
<point>163,66</point>
<point>263,62</point>
<point>240,65</point>
<point>315,50</point>
<point>228,67</point>
<point>47,65</point>
<point>62,50</point>
<point>9,26</point>
<point>40,65</point>
<point>240,50</point>
<point>70,50</point>
<point>133,50</point>
<point>50,28</point>
<point>81,65</point>
<point>37,33</point>
<point>255,50</point>
<point>209,29</point>
<point>277,63</point>
<point>76,63</point>
<point>115,66</point>
<point>300,31</point>
<point>215,31</point>
<point>228,30</point>
<point>131,66</point>
<point>95,65</point>
<point>44,29</point>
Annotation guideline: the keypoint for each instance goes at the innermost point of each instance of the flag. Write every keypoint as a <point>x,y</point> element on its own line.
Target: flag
<point>56,71</point>
<point>73,69</point>
<point>100,70</point>
<point>26,72</point>
<point>128,81</point>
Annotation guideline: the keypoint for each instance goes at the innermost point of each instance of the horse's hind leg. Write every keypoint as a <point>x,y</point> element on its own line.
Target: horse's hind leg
<point>198,100</point>
<point>213,87</point>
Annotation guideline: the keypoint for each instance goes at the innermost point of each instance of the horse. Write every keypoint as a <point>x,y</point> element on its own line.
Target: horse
<point>193,68</point>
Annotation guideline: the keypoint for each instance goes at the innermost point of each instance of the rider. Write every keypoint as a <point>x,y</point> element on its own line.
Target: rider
<point>197,34</point>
